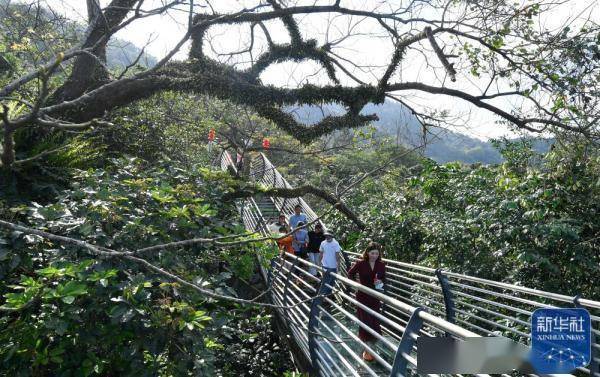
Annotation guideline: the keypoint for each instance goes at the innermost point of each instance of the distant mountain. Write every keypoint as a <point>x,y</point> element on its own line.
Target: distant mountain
<point>397,122</point>
<point>119,53</point>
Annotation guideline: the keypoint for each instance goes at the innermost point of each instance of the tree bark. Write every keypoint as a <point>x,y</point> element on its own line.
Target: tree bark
<point>87,73</point>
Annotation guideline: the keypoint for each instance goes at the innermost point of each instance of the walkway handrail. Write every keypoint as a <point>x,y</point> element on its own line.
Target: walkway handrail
<point>441,323</point>
<point>484,306</point>
<point>518,288</point>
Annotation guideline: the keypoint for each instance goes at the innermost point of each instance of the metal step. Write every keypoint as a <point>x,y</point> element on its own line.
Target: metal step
<point>267,208</point>
<point>357,349</point>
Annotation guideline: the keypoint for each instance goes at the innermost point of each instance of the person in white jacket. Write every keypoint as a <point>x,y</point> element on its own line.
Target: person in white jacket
<point>330,252</point>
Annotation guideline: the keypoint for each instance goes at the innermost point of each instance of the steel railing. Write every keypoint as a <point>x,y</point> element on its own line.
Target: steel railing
<point>484,306</point>
<point>325,326</point>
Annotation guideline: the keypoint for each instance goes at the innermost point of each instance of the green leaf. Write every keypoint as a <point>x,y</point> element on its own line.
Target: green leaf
<point>497,42</point>
<point>86,229</point>
<point>212,344</point>
<point>204,211</point>
<point>51,272</point>
<point>72,288</point>
<point>162,197</point>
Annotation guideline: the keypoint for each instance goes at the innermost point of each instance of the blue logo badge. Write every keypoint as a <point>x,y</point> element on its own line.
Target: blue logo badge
<point>560,340</point>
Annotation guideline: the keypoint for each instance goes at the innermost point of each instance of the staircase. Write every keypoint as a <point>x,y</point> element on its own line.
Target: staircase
<point>267,208</point>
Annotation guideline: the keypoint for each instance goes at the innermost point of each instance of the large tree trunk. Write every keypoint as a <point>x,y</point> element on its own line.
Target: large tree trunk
<point>87,72</point>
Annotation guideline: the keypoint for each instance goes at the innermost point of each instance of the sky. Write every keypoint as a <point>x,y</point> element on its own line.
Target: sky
<point>368,47</point>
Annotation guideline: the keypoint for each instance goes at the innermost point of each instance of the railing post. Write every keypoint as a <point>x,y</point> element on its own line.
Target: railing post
<point>261,225</point>
<point>313,323</point>
<point>346,258</point>
<point>406,344</point>
<point>594,365</point>
<point>287,280</point>
<point>263,168</point>
<point>278,200</point>
<point>274,175</point>
<point>448,297</point>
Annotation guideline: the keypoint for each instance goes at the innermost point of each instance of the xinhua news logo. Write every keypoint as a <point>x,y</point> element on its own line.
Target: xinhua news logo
<point>560,340</point>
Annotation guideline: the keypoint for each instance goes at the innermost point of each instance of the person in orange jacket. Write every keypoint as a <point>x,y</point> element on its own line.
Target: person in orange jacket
<point>285,243</point>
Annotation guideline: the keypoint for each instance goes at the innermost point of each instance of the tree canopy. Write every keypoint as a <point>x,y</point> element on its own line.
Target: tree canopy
<point>550,74</point>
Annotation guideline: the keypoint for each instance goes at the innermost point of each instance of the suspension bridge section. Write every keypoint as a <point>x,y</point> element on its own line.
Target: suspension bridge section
<point>417,301</point>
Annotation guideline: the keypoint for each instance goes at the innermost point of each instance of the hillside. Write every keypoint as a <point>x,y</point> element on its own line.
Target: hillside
<point>48,31</point>
<point>397,122</point>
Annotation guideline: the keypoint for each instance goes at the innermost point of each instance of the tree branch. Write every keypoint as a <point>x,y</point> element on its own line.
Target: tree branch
<point>127,255</point>
<point>289,23</point>
<point>440,54</point>
<point>39,155</point>
<point>337,203</point>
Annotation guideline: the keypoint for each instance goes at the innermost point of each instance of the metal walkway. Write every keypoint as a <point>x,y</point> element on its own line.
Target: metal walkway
<point>418,300</point>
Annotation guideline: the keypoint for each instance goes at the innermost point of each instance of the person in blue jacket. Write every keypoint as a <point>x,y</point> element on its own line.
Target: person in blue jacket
<point>297,217</point>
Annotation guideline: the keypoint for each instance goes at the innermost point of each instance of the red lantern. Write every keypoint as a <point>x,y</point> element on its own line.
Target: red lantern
<point>266,143</point>
<point>211,134</point>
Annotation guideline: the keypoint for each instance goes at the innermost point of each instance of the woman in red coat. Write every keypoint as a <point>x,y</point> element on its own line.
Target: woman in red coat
<point>371,272</point>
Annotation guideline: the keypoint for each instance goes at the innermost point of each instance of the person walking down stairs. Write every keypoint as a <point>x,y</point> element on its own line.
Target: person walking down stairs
<point>315,238</point>
<point>297,217</point>
<point>329,258</point>
<point>371,273</point>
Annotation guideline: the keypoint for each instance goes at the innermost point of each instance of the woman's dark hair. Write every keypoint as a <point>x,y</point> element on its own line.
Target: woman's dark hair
<point>283,229</point>
<point>372,246</point>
